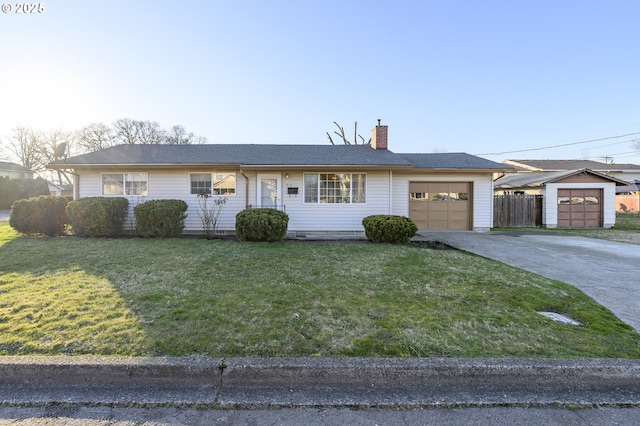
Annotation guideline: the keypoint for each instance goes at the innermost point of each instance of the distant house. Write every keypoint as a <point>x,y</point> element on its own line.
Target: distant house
<point>571,199</point>
<point>14,171</point>
<point>628,197</point>
<point>323,188</point>
<point>626,172</point>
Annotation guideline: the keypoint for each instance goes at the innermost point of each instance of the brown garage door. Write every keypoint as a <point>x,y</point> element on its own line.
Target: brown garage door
<point>440,205</point>
<point>579,208</point>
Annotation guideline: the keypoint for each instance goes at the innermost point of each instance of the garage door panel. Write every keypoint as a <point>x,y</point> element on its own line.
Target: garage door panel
<point>579,208</point>
<point>440,205</point>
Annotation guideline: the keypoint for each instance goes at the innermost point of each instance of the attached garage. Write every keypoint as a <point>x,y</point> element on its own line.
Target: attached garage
<point>441,205</point>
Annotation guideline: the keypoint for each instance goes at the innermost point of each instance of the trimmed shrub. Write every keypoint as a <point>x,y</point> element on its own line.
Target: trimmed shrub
<point>261,225</point>
<point>389,229</point>
<point>40,215</point>
<point>160,218</point>
<point>98,216</point>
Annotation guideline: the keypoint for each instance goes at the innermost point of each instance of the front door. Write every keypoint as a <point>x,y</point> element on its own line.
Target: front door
<point>269,191</point>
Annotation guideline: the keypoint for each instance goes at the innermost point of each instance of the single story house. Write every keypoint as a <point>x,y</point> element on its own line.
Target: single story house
<point>571,199</point>
<point>323,188</point>
<point>14,171</point>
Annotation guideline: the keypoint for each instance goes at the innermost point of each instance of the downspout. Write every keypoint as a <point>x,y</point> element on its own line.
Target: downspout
<point>246,189</point>
<point>390,192</point>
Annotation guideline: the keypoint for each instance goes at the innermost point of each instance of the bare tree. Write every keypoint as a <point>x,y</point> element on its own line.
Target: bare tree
<point>57,144</point>
<point>151,133</point>
<point>343,135</point>
<point>179,136</point>
<point>26,145</point>
<point>96,136</point>
<point>127,131</point>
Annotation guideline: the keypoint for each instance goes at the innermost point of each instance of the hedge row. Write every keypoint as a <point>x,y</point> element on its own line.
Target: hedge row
<point>105,216</point>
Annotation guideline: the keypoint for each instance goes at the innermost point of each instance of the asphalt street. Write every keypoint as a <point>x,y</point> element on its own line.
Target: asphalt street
<point>496,416</point>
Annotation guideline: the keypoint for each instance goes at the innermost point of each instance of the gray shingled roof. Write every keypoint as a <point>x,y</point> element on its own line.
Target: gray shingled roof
<point>272,155</point>
<point>240,154</point>
<point>456,160</point>
<point>5,165</point>
<point>538,179</point>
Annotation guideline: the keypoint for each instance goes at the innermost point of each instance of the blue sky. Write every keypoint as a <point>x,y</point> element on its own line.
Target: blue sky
<point>445,76</point>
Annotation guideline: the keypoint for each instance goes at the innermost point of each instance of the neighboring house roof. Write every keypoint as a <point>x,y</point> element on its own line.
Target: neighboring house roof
<point>5,165</point>
<point>272,155</point>
<point>560,165</point>
<point>635,186</point>
<point>536,180</point>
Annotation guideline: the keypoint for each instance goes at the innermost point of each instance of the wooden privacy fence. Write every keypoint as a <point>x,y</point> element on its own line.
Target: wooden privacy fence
<point>628,203</point>
<point>522,210</point>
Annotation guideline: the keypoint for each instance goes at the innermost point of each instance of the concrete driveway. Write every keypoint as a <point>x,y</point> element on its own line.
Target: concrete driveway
<point>608,272</point>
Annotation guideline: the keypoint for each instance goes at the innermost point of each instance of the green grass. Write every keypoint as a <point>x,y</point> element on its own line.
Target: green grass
<point>196,297</point>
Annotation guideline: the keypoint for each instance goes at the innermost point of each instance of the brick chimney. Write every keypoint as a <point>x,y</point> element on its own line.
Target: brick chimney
<point>379,137</point>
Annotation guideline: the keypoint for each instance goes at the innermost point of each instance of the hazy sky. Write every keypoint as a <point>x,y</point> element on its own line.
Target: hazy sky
<point>445,76</point>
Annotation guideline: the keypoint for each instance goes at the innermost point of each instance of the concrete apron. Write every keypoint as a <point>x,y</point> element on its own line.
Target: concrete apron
<point>244,382</point>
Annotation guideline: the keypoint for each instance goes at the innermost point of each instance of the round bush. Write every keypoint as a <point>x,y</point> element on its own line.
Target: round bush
<point>40,215</point>
<point>261,225</point>
<point>98,216</point>
<point>389,229</point>
<point>160,218</point>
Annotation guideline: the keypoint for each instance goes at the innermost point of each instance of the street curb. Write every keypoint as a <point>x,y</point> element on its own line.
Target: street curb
<point>238,382</point>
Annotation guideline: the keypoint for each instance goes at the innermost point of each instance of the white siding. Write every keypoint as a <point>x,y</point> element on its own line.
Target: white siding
<point>171,185</point>
<point>550,202</point>
<point>482,196</point>
<point>305,217</point>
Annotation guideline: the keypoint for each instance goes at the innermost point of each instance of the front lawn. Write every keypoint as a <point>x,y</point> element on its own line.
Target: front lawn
<point>195,297</point>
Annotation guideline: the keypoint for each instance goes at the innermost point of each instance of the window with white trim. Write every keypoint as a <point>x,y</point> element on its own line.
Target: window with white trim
<point>125,184</point>
<point>216,183</point>
<point>335,188</point>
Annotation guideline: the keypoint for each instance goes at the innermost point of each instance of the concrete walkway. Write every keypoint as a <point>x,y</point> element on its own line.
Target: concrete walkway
<point>607,271</point>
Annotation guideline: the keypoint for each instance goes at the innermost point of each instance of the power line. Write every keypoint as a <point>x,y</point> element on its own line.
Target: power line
<point>559,145</point>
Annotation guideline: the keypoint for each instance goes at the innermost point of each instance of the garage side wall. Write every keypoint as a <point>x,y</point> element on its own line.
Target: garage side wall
<point>482,197</point>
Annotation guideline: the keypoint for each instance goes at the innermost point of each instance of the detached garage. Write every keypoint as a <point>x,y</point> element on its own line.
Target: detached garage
<point>571,199</point>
